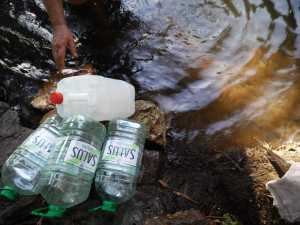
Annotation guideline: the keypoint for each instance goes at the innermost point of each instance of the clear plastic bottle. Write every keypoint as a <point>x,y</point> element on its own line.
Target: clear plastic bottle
<point>120,163</point>
<point>71,168</point>
<point>22,170</point>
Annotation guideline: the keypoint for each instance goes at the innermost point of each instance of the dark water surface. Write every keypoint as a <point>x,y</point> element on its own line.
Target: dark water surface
<point>227,70</point>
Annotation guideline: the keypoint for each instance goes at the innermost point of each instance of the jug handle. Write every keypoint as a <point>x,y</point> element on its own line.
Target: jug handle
<point>78,96</point>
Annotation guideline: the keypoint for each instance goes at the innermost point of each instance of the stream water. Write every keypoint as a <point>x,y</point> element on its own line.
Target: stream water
<point>227,71</point>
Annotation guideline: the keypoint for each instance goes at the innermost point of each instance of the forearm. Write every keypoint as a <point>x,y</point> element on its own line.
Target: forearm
<point>55,12</point>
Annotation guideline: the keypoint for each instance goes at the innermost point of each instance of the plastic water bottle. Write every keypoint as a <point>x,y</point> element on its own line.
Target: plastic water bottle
<point>95,97</point>
<point>120,163</point>
<point>22,170</point>
<point>71,168</point>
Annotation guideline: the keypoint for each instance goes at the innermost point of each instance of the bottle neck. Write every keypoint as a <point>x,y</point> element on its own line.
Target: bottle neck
<point>53,121</point>
<point>138,138</point>
<point>51,127</point>
<point>85,136</point>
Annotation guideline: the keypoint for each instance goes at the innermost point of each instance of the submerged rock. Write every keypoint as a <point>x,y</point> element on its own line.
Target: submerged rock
<point>154,119</point>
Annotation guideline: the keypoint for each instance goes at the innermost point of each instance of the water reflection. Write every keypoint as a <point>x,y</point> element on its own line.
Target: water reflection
<point>228,69</point>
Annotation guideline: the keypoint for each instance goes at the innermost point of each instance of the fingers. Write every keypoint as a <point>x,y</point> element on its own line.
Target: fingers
<point>62,40</point>
<point>72,48</point>
<point>59,54</point>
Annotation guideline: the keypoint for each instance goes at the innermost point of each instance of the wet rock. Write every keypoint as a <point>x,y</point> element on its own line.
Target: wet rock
<point>25,40</point>
<point>9,121</point>
<point>154,119</point>
<point>188,217</point>
<point>12,134</point>
<point>18,92</point>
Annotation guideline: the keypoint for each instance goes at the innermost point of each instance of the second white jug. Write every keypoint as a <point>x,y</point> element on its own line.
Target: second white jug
<point>94,97</point>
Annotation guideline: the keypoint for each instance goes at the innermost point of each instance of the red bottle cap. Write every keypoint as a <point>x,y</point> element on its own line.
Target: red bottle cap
<point>56,98</point>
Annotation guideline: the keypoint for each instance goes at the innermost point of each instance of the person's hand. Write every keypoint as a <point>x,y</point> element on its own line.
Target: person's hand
<point>62,40</point>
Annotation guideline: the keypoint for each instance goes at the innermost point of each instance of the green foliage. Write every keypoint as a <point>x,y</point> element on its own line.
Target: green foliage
<point>230,220</point>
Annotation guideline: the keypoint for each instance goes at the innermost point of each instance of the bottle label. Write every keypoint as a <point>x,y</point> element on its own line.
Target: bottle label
<point>41,143</point>
<point>121,152</point>
<point>82,155</point>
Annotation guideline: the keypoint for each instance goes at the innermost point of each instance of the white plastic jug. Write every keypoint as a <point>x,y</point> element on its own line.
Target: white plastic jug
<point>95,97</point>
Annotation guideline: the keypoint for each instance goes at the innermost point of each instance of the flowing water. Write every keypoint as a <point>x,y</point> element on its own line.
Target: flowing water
<point>228,71</point>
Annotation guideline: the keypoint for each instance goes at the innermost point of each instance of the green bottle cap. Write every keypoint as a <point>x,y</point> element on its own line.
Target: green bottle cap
<point>54,211</point>
<point>9,193</point>
<point>107,206</point>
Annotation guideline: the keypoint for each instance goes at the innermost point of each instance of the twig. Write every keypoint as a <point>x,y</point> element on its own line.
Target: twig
<point>279,164</point>
<point>177,193</point>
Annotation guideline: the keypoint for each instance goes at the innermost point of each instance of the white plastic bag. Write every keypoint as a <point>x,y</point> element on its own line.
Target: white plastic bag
<point>286,193</point>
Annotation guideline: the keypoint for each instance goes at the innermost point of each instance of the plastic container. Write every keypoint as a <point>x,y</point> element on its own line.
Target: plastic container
<point>120,163</point>
<point>67,179</point>
<point>22,170</point>
<point>94,97</point>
